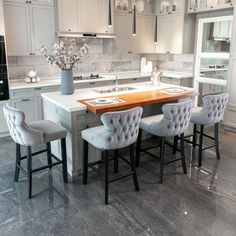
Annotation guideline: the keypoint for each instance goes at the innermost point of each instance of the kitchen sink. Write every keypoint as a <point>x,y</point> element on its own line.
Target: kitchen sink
<point>113,90</point>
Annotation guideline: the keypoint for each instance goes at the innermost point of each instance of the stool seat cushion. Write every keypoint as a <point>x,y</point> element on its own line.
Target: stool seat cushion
<point>94,136</point>
<point>51,131</point>
<point>197,117</point>
<point>151,124</point>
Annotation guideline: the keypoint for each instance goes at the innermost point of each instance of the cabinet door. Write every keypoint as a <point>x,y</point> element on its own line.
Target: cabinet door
<point>43,2</point>
<point>164,7</point>
<point>148,31</point>
<point>2,30</point>
<point>123,30</point>
<point>88,16</point>
<point>164,34</point>
<point>103,16</point>
<point>43,26</point>
<point>67,15</point>
<point>170,40</point>
<point>17,29</point>
<point>32,107</point>
<point>3,124</point>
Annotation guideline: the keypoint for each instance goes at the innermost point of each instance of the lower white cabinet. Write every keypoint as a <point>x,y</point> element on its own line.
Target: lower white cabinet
<point>3,124</point>
<point>32,108</point>
<point>178,37</point>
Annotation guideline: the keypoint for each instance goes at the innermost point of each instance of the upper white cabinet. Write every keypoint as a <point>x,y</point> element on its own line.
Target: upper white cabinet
<point>222,30</point>
<point>143,42</point>
<point>38,2</point>
<point>170,6</point>
<point>179,36</point>
<point>89,16</point>
<point>84,16</point>
<point>33,24</point>
<point>195,6</point>
<point>67,16</point>
<point>2,30</point>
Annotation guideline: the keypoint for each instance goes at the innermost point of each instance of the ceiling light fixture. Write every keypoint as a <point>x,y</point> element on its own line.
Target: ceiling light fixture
<point>109,14</point>
<point>134,22</point>
<point>155,31</point>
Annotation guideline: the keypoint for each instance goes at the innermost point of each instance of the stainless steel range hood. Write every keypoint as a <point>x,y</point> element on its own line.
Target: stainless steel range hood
<point>84,35</point>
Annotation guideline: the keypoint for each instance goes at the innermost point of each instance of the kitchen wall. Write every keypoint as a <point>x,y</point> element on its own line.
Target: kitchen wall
<point>97,61</point>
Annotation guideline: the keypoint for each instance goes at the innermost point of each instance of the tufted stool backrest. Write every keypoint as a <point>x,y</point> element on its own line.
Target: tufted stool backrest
<point>214,107</point>
<point>176,118</point>
<point>121,128</point>
<point>20,132</point>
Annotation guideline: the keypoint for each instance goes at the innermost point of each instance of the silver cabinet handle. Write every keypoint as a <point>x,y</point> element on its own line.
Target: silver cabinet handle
<point>25,100</point>
<point>37,88</point>
<point>92,83</point>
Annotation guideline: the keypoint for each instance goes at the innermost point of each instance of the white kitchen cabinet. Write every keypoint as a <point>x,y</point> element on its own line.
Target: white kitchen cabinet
<point>33,24</point>
<point>123,31</point>
<point>103,17</point>
<point>143,42</point>
<point>38,2</point>
<point>89,16</point>
<point>32,107</point>
<point>18,38</point>
<point>84,16</point>
<point>3,124</point>
<point>2,29</point>
<point>165,7</point>
<point>222,29</point>
<point>178,37</point>
<point>67,15</point>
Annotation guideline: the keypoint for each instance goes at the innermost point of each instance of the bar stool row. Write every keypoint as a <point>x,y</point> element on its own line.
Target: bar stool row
<point>119,130</point>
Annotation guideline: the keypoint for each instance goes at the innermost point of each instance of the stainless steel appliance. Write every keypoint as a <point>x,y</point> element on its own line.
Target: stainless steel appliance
<point>4,87</point>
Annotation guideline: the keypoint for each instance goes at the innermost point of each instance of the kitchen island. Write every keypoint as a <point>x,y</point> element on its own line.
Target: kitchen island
<point>76,112</point>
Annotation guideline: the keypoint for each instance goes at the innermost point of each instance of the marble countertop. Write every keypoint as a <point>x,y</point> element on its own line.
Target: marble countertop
<point>55,81</point>
<point>70,102</point>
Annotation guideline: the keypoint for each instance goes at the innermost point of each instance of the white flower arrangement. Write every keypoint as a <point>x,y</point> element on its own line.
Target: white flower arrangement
<point>65,56</point>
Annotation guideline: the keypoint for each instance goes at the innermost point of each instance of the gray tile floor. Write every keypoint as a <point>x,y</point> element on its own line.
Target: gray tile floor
<point>200,203</point>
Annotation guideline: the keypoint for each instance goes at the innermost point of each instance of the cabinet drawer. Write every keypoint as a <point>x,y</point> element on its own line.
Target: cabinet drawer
<point>32,92</point>
<point>170,80</point>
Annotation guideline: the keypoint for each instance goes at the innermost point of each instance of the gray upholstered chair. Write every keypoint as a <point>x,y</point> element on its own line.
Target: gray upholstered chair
<point>173,122</point>
<point>33,134</point>
<point>119,130</point>
<point>211,113</point>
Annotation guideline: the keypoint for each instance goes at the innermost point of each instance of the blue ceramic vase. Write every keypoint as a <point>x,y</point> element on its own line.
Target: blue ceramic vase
<point>67,83</point>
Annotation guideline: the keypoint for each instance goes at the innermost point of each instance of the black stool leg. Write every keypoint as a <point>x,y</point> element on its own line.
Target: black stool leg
<point>132,163</point>
<point>64,160</point>
<point>216,131</point>
<point>200,146</point>
<point>49,154</point>
<point>138,148</point>
<point>183,153</point>
<point>18,157</point>
<point>162,150</point>
<point>116,162</point>
<point>106,176</point>
<point>175,144</point>
<point>194,135</point>
<point>29,171</point>
<point>85,162</point>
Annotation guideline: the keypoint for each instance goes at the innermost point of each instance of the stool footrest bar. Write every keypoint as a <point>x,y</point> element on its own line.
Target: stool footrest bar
<point>121,176</point>
<point>169,162</point>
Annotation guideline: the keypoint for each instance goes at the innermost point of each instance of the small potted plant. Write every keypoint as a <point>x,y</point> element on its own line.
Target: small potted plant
<point>65,57</point>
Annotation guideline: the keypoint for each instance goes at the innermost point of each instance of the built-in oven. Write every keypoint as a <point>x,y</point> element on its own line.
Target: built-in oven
<point>4,87</point>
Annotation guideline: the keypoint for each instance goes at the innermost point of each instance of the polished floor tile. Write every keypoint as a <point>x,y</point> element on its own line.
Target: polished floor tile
<point>203,202</point>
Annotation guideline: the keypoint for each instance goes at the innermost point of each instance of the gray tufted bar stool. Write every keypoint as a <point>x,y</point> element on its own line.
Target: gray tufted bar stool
<point>211,113</point>
<point>119,130</point>
<point>173,122</point>
<point>34,134</point>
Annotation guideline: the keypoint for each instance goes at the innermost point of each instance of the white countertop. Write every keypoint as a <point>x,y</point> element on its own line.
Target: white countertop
<point>70,102</point>
<point>55,81</point>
